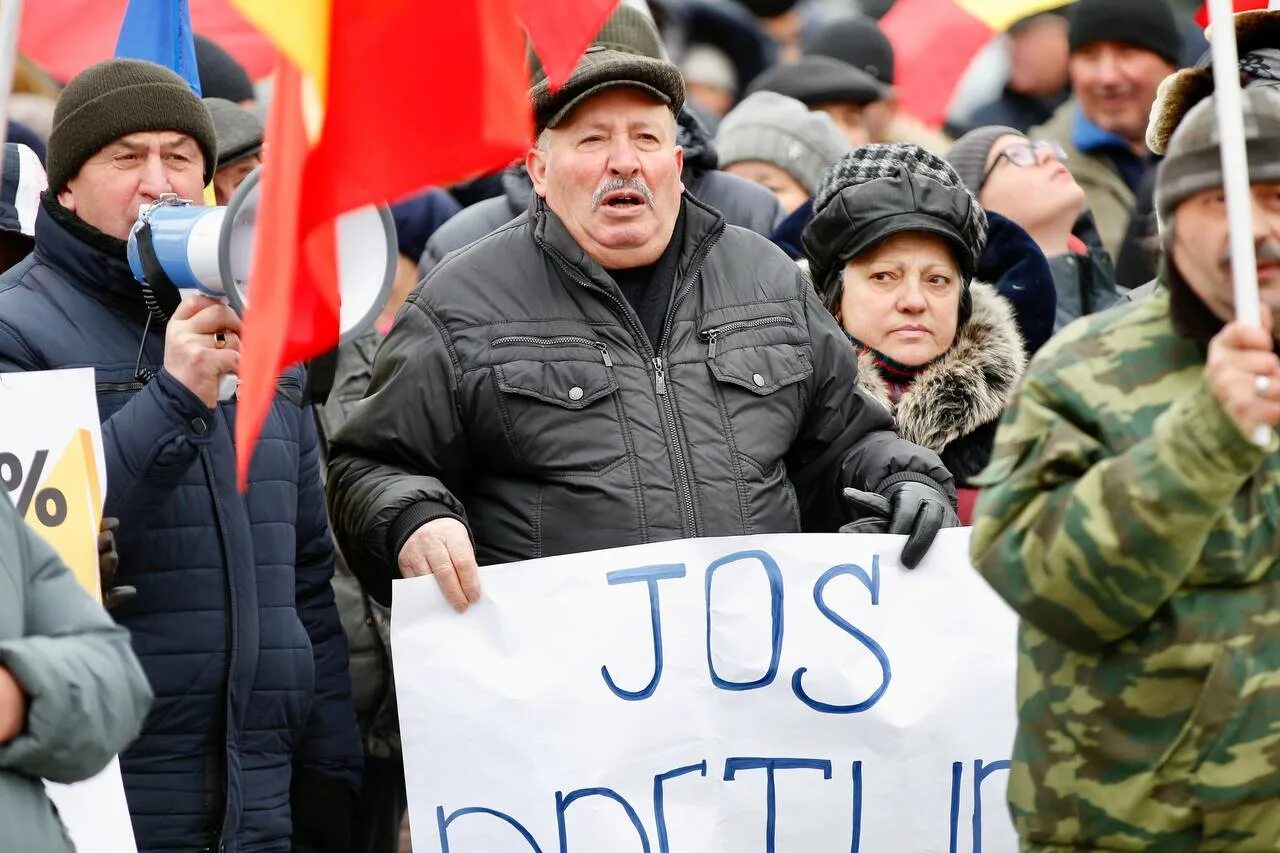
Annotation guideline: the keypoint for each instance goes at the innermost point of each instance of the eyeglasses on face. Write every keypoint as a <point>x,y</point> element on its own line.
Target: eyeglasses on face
<point>1026,154</point>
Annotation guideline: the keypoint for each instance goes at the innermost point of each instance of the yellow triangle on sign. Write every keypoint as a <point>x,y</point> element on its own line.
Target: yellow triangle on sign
<point>67,510</point>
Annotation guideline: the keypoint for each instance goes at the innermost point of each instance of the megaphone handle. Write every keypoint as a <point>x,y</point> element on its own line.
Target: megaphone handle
<point>227,386</point>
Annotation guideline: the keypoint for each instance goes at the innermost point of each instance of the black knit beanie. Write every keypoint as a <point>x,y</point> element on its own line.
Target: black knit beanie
<point>1148,24</point>
<point>220,75</point>
<point>118,97</point>
<point>857,40</point>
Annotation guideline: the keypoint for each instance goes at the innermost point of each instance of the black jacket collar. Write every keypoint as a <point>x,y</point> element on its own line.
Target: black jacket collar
<point>86,257</point>
<point>702,225</point>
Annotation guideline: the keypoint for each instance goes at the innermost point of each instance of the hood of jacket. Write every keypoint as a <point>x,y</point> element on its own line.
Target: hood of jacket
<point>968,387</point>
<point>700,155</point>
<point>1019,271</point>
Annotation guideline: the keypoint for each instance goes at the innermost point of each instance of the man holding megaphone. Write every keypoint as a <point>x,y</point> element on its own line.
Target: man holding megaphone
<point>253,743</point>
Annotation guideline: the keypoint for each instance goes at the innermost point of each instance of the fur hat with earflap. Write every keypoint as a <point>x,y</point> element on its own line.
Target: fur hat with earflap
<point>1258,44</point>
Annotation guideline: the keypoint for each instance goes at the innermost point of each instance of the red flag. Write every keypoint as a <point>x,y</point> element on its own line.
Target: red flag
<point>64,37</point>
<point>1202,16</point>
<point>935,40</point>
<point>419,93</point>
<point>562,30</point>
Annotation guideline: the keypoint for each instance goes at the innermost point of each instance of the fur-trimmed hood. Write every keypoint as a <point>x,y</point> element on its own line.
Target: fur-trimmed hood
<point>968,387</point>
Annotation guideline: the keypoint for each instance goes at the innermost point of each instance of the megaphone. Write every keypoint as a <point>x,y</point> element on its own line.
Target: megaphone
<point>209,250</point>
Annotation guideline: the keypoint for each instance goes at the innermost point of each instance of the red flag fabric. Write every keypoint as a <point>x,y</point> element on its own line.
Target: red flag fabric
<point>281,195</point>
<point>935,40</point>
<point>930,58</point>
<point>64,37</point>
<point>419,93</point>
<point>1202,16</point>
<point>562,30</point>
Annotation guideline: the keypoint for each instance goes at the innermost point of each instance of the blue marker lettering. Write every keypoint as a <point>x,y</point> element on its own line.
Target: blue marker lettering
<point>659,810</point>
<point>563,802</point>
<point>769,765</point>
<point>650,575</point>
<point>872,583</point>
<point>775,595</point>
<point>443,822</point>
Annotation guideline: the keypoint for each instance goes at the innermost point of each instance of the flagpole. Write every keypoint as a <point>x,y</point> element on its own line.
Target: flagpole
<point>1235,171</point>
<point>10,15</point>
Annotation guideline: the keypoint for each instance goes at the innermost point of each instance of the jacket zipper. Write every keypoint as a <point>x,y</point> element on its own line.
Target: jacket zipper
<point>562,340</point>
<point>683,480</point>
<point>232,648</point>
<point>118,386</point>
<point>712,335</point>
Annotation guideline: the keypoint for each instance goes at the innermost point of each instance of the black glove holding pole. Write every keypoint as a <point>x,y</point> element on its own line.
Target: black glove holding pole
<point>911,508</point>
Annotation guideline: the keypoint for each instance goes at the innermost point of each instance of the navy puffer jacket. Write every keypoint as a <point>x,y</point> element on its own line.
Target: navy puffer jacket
<point>234,620</point>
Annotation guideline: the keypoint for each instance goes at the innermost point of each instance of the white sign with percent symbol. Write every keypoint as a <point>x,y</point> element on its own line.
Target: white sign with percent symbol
<point>53,470</point>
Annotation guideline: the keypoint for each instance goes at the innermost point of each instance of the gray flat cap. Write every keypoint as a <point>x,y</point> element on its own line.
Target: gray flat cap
<point>238,131</point>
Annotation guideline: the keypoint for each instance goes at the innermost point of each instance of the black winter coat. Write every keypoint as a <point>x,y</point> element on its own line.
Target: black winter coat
<point>234,620</point>
<point>740,201</point>
<point>518,391</point>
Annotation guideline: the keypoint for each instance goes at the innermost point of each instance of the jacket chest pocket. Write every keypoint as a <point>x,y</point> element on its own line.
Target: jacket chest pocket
<point>760,391</point>
<point>561,415</point>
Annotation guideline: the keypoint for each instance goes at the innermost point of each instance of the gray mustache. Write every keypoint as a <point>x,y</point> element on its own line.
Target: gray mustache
<point>634,183</point>
<point>1267,250</point>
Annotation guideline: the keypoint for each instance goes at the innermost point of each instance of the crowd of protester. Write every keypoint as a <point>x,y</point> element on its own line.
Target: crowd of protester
<point>734,287</point>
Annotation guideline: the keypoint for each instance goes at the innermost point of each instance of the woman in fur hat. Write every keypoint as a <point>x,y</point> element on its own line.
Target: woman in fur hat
<point>893,247</point>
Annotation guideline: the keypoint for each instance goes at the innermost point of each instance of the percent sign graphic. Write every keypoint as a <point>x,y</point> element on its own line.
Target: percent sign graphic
<point>51,504</point>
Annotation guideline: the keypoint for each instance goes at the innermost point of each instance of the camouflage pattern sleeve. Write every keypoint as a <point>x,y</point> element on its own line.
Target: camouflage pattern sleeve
<point>1087,532</point>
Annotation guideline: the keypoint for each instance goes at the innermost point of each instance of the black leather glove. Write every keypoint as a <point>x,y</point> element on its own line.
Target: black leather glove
<point>108,562</point>
<point>322,811</point>
<point>915,509</point>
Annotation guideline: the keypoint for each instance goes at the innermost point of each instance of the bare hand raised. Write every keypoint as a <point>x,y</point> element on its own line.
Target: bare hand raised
<point>201,345</point>
<point>13,707</point>
<point>443,548</point>
<point>1243,372</point>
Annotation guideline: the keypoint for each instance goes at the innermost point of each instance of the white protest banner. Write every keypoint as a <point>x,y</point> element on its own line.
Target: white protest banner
<point>53,469</point>
<point>779,693</point>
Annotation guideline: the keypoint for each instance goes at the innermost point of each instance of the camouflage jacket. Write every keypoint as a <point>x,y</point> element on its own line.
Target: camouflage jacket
<point>1135,531</point>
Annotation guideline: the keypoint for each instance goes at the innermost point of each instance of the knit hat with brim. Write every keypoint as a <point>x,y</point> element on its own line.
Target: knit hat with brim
<point>599,70</point>
<point>877,191</point>
<point>628,30</point>
<point>115,98</point>
<point>1193,161</point>
<point>775,129</point>
<point>968,155</point>
<point>815,80</point>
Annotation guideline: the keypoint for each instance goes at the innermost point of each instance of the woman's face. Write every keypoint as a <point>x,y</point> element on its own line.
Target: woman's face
<point>1033,194</point>
<point>902,297</point>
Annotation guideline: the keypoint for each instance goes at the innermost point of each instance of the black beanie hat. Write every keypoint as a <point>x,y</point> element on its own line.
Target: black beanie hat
<point>220,75</point>
<point>813,80</point>
<point>118,97</point>
<point>857,40</point>
<point>1148,24</point>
